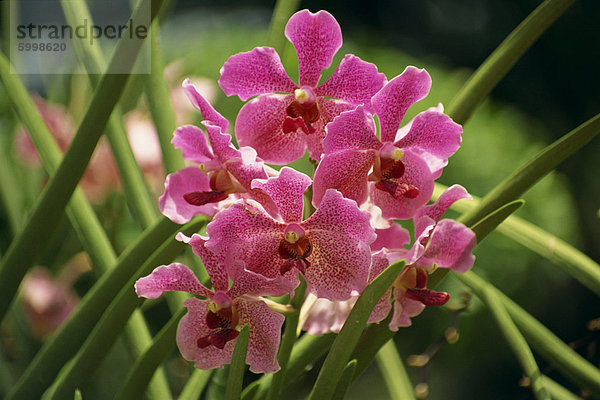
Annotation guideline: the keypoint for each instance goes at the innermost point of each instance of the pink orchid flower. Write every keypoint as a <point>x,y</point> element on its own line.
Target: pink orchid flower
<point>396,171</point>
<point>439,244</point>
<point>330,248</point>
<point>281,126</point>
<point>224,170</point>
<point>208,332</point>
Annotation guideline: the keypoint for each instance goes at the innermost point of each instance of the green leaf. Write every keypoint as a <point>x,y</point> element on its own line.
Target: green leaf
<point>485,78</point>
<point>345,381</point>
<point>526,176</point>
<point>394,373</point>
<point>140,374</point>
<point>238,366</point>
<point>281,14</point>
<point>486,225</point>
<point>195,384</point>
<point>559,354</point>
<point>516,341</point>
<point>346,341</point>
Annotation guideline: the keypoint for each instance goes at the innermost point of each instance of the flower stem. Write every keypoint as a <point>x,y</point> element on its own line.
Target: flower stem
<point>485,78</point>
<point>394,373</point>
<point>282,12</point>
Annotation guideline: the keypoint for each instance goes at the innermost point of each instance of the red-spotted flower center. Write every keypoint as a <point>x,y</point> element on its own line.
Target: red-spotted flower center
<point>222,184</point>
<point>387,171</point>
<point>294,248</point>
<point>302,111</point>
<point>222,320</point>
<point>413,281</point>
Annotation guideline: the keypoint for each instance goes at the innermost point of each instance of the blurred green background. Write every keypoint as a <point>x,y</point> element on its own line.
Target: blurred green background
<point>550,91</point>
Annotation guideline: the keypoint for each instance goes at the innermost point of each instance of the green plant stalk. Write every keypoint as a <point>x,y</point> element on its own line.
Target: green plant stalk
<point>287,341</point>
<point>65,342</point>
<point>495,67</point>
<point>526,176</point>
<point>281,14</point>
<point>9,197</point>
<point>554,350</point>
<point>562,254</point>
<point>346,341</point>
<point>233,390</point>
<point>558,392</point>
<point>159,103</point>
<point>113,320</point>
<point>195,384</point>
<point>140,374</point>
<point>25,247</point>
<point>516,342</point>
<point>393,372</point>
<point>136,191</point>
<point>345,381</point>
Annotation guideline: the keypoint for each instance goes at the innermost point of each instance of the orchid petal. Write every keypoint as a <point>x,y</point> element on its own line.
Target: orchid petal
<point>316,38</point>
<point>209,114</point>
<point>258,125</point>
<point>379,262</point>
<point>192,142</point>
<point>404,309</point>
<point>437,209</point>
<point>329,110</point>
<point>172,277</point>
<point>392,102</point>
<point>393,238</point>
<point>325,315</point>
<point>351,130</point>
<point>451,246</point>
<point>255,72</point>
<point>213,263</point>
<point>354,81</point>
<point>287,192</point>
<point>174,206</point>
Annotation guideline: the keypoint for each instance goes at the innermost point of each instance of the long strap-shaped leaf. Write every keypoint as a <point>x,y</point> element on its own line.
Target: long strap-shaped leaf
<point>235,380</point>
<point>114,318</point>
<point>564,359</point>
<point>481,83</point>
<point>394,373</point>
<point>344,344</point>
<point>26,246</point>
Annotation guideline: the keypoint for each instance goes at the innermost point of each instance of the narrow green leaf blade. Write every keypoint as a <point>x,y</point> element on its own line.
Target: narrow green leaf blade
<point>394,374</point>
<point>345,381</point>
<point>238,366</point>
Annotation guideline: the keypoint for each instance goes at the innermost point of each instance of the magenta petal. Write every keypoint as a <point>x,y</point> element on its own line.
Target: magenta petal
<point>246,282</point>
<point>392,102</point>
<point>265,334</point>
<point>221,143</point>
<point>258,71</point>
<point>451,246</point>
<point>192,142</point>
<point>287,192</point>
<point>316,38</point>
<point>345,171</point>
<point>324,315</point>
<point>416,173</point>
<point>435,134</point>
<point>193,326</point>
<point>209,114</point>
<point>247,168</point>
<point>213,263</point>
<point>258,125</point>
<point>172,277</point>
<point>404,309</point>
<point>379,262</point>
<point>329,110</point>
<point>437,209</point>
<point>354,81</point>
<point>351,130</point>
<point>174,206</point>
<point>393,238</point>
<point>249,234</point>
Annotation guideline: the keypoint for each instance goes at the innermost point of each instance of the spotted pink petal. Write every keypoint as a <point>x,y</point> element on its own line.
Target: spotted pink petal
<point>351,130</point>
<point>215,264</point>
<point>221,143</point>
<point>192,142</point>
<point>325,315</point>
<point>265,334</point>
<point>246,282</point>
<point>174,206</point>
<point>451,246</point>
<point>258,125</point>
<point>248,233</point>
<point>287,192</point>
<point>435,134</point>
<point>437,209</point>
<point>172,277</point>
<point>404,309</point>
<point>354,81</point>
<point>247,168</point>
<point>193,326</point>
<point>316,38</point>
<point>255,72</point>
<point>209,114</point>
<point>416,173</point>
<point>379,262</point>
<point>346,171</point>
<point>329,110</point>
<point>393,238</point>
<point>392,102</point>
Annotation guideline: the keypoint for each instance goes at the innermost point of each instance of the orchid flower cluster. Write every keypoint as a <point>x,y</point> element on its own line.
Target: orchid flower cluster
<point>263,239</point>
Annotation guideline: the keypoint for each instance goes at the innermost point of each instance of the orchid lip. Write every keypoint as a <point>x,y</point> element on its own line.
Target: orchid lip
<point>293,233</point>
